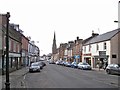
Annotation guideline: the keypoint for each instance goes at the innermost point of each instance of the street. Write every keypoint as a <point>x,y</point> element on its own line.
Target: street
<point>56,76</point>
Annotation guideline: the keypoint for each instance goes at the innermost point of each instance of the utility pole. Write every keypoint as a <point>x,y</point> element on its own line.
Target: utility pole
<point>7,52</point>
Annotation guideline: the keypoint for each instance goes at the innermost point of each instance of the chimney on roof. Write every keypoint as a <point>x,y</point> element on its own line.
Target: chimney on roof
<point>75,41</point>
<point>77,38</point>
<point>94,34</point>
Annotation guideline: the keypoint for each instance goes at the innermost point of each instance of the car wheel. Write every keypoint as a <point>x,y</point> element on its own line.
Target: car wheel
<point>108,71</point>
<point>82,68</point>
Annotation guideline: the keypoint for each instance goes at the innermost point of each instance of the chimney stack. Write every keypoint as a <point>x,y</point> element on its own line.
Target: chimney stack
<point>77,38</point>
<point>94,34</point>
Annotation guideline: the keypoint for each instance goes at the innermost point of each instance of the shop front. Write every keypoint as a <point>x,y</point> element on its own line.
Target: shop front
<point>87,58</point>
<point>98,59</point>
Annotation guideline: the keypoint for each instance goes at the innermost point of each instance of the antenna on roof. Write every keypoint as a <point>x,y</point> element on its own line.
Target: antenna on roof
<point>92,31</point>
<point>98,30</point>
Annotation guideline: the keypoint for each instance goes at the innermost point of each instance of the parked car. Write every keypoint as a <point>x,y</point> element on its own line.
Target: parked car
<point>84,66</point>
<point>51,62</point>
<point>62,62</point>
<point>113,69</point>
<point>43,64</point>
<point>74,65</point>
<point>68,64</point>
<point>57,62</point>
<point>34,67</point>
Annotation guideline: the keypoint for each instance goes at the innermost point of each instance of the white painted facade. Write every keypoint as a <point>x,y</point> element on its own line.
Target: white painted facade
<point>94,52</point>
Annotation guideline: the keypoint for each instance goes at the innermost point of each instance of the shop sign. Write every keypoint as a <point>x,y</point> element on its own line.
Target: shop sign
<point>77,56</point>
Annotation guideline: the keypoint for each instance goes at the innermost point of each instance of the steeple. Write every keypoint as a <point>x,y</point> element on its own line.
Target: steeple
<point>54,46</point>
<point>54,39</point>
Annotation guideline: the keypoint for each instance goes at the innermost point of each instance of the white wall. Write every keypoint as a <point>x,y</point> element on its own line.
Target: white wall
<point>87,49</point>
<point>101,48</point>
<point>95,52</point>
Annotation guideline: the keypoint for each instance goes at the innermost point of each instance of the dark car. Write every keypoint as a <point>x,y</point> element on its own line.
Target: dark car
<point>113,69</point>
<point>43,64</point>
<point>74,65</point>
<point>34,67</point>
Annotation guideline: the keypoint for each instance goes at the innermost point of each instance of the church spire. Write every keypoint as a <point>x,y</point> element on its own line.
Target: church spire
<point>54,46</point>
<point>54,37</point>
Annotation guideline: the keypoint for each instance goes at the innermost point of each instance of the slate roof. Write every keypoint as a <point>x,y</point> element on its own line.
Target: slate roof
<point>103,37</point>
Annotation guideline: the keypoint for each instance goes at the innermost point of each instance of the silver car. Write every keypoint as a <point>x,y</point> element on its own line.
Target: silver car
<point>113,69</point>
<point>84,66</point>
<point>34,67</point>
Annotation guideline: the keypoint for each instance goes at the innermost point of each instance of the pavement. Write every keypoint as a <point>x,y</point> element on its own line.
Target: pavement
<point>17,78</point>
<point>97,69</point>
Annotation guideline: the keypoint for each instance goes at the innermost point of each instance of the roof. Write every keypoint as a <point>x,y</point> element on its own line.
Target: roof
<point>103,37</point>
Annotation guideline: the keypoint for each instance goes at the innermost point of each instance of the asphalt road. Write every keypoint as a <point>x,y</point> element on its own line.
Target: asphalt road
<point>55,76</point>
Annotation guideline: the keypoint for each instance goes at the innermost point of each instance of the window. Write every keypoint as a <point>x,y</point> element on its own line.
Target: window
<point>14,47</point>
<point>9,44</point>
<point>105,47</point>
<point>89,48</point>
<point>97,47</point>
<point>114,56</point>
<point>18,48</point>
<point>85,49</point>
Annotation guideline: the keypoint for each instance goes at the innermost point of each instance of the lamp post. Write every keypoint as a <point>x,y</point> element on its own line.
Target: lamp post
<point>118,23</point>
<point>7,52</point>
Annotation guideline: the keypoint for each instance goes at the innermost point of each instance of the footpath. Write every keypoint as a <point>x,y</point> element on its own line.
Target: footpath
<point>97,69</point>
<point>16,78</point>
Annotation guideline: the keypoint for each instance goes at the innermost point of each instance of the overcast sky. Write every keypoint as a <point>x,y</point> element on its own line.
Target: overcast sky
<point>68,18</point>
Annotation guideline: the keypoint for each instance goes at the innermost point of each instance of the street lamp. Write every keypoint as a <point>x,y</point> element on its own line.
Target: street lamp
<point>7,52</point>
<point>118,23</point>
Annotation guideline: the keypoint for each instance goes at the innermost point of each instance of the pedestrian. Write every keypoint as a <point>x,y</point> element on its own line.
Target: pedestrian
<point>100,65</point>
<point>106,64</point>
